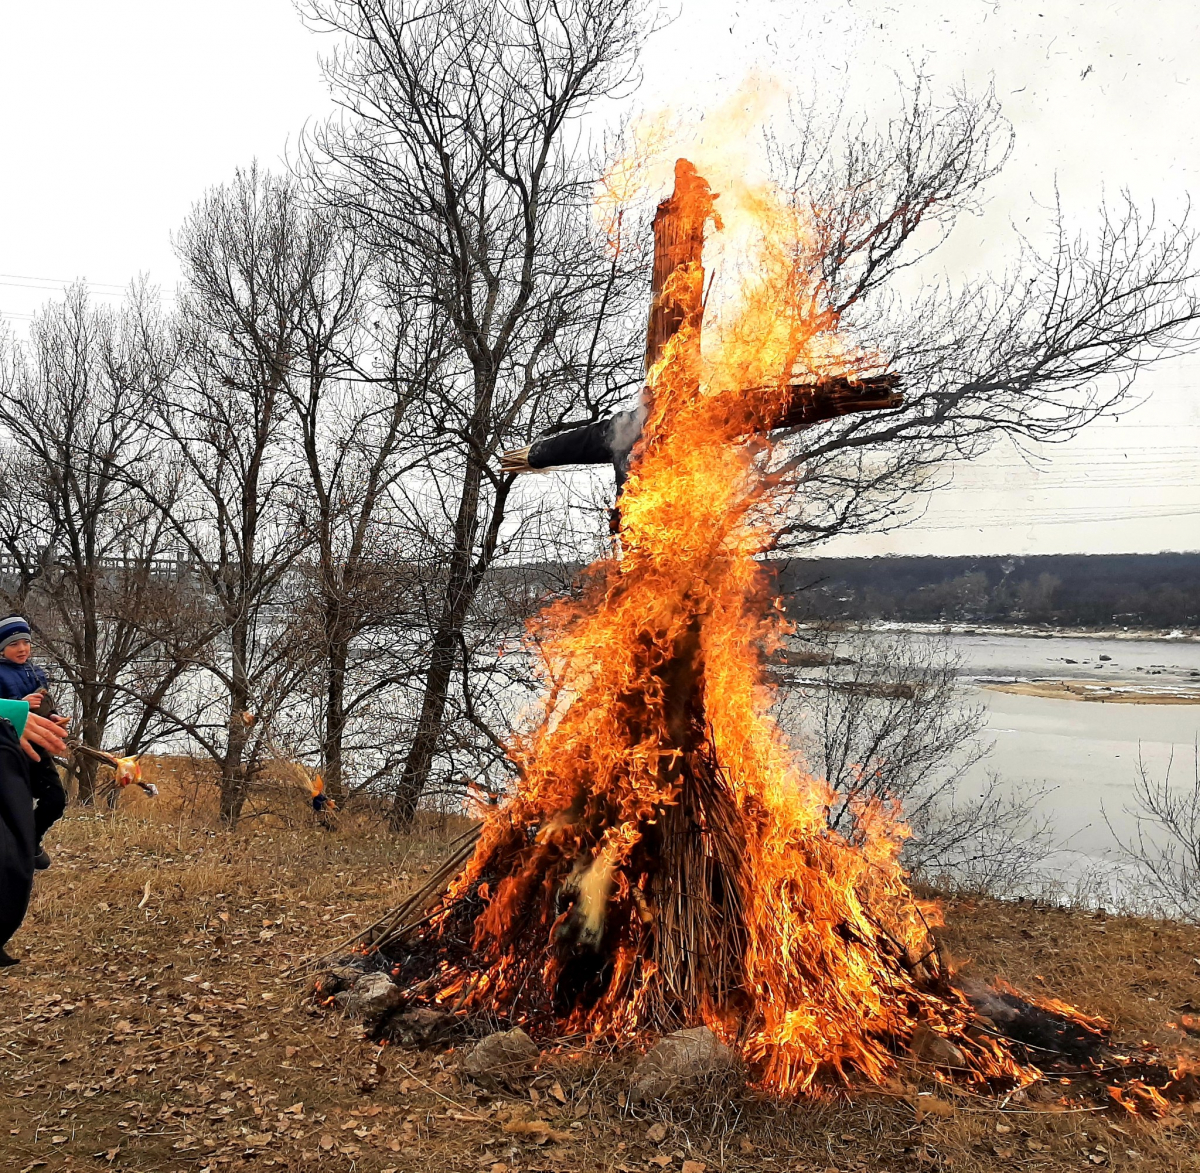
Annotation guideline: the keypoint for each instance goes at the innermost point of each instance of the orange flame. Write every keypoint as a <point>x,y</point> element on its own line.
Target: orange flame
<point>320,800</point>
<point>665,857</point>
<point>656,674</point>
<point>128,771</point>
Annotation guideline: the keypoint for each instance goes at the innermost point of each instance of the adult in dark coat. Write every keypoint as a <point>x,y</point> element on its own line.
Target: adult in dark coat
<point>21,679</point>
<point>17,836</point>
<point>17,827</point>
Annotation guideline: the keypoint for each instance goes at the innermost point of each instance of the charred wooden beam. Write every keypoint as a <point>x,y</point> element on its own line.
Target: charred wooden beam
<point>610,441</point>
<point>678,244</point>
<point>826,399</point>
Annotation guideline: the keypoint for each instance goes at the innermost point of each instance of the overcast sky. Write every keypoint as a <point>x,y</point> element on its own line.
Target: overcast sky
<point>118,115</point>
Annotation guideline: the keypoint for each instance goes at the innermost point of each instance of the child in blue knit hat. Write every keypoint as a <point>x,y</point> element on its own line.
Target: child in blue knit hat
<point>22,680</point>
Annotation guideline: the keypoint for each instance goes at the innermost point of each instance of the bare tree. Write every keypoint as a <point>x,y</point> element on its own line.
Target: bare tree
<point>254,255</point>
<point>86,555</point>
<point>1034,354</point>
<point>459,155</point>
<point>360,440</point>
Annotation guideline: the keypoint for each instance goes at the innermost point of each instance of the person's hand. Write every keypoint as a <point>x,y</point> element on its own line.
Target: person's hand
<point>61,720</point>
<point>43,732</point>
<point>33,700</point>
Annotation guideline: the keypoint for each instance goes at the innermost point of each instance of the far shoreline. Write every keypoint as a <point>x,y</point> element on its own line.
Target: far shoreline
<point>1028,631</point>
<point>1091,691</point>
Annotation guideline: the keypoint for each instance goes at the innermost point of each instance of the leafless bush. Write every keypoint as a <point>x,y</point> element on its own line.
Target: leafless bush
<point>884,716</point>
<point>1165,848</point>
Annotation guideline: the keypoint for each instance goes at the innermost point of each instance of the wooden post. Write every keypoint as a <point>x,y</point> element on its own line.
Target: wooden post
<point>678,244</point>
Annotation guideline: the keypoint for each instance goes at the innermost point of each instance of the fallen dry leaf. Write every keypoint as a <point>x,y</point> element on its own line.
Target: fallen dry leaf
<point>537,1129</point>
<point>656,1133</point>
<point>662,1161</point>
<point>326,1142</point>
<point>693,1167</point>
<point>932,1106</point>
<point>556,1090</point>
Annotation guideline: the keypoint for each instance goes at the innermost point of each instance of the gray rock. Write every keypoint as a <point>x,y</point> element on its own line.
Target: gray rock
<point>934,1048</point>
<point>503,1055</point>
<point>372,996</point>
<point>421,1027</point>
<point>341,975</point>
<point>681,1058</point>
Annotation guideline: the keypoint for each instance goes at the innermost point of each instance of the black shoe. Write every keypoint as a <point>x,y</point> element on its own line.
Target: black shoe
<point>7,959</point>
<point>41,861</point>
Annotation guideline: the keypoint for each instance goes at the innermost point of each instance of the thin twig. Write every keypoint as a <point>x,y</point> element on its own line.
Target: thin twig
<point>453,1103</point>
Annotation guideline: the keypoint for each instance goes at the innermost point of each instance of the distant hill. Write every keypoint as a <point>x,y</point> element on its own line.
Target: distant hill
<point>1070,590</point>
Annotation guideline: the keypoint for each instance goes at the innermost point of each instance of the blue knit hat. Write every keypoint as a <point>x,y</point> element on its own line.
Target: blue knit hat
<point>12,629</point>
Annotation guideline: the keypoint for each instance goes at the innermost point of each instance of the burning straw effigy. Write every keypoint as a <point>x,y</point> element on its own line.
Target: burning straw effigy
<point>664,862</point>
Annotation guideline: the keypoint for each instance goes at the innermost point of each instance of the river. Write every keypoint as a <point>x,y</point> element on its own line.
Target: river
<point>1085,755</point>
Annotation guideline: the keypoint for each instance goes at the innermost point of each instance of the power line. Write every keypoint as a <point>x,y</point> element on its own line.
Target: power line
<point>9,278</point>
<point>1089,484</point>
<point>54,290</point>
<point>1020,521</point>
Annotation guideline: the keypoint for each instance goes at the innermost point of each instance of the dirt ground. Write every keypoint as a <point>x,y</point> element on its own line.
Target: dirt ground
<point>154,1024</point>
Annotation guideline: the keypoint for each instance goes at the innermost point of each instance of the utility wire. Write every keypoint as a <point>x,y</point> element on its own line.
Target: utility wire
<point>8,278</point>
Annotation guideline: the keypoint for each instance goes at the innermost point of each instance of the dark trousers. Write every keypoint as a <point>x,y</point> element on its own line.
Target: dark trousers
<point>47,788</point>
<point>16,833</point>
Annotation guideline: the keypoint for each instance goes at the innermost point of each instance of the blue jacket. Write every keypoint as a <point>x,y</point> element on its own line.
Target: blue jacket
<point>17,681</point>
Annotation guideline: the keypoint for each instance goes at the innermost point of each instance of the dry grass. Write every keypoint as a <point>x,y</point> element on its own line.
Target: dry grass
<point>152,1026</point>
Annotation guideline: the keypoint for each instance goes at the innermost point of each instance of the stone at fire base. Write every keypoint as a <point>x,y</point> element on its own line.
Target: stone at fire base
<point>340,975</point>
<point>503,1054</point>
<point>421,1027</point>
<point>681,1058</point>
<point>933,1048</point>
<point>373,996</point>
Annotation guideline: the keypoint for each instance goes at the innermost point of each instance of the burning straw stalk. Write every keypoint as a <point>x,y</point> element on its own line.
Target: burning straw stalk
<point>664,862</point>
<point>127,771</point>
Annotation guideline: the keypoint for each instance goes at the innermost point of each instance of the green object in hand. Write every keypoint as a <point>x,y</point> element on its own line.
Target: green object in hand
<point>15,711</point>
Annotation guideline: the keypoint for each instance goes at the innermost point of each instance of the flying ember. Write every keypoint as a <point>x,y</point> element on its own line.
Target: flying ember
<point>665,861</point>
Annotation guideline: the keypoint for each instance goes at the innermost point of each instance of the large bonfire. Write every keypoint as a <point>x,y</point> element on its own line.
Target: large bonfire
<point>665,861</point>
